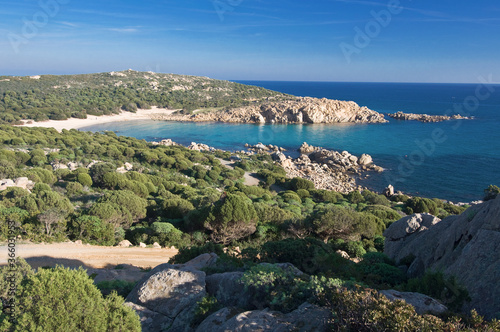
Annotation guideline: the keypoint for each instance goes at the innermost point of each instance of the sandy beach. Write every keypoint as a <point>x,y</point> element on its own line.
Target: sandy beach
<point>73,123</point>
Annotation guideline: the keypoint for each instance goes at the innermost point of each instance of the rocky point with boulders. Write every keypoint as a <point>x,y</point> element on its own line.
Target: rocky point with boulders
<point>294,110</point>
<point>426,117</point>
<point>327,169</point>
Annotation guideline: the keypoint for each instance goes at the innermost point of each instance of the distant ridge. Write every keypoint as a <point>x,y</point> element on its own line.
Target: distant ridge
<point>44,97</point>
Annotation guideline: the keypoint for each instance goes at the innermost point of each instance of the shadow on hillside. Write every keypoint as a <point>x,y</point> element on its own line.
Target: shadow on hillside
<point>47,261</point>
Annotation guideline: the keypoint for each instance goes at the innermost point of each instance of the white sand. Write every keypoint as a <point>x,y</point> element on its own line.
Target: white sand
<point>72,123</point>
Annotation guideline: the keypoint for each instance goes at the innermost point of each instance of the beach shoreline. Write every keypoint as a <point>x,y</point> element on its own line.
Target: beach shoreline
<point>74,123</point>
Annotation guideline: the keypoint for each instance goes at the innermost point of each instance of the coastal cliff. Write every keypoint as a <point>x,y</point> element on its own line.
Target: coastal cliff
<point>296,110</point>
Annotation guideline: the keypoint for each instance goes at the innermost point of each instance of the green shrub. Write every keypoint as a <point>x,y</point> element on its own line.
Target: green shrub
<point>204,308</point>
<point>186,254</point>
<point>232,218</point>
<point>375,199</point>
<point>121,287</point>
<point>281,289</point>
<point>382,212</point>
<point>299,252</point>
<point>84,179</point>
<point>74,188</point>
<point>327,196</point>
<point>491,192</point>
<point>380,274</point>
<point>67,300</point>
<point>355,249</point>
<point>422,205</point>
<point>436,285</point>
<point>367,311</point>
<point>355,197</point>
<point>300,183</point>
<point>93,230</point>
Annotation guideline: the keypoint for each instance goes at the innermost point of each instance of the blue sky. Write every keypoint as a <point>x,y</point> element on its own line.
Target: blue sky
<point>322,40</point>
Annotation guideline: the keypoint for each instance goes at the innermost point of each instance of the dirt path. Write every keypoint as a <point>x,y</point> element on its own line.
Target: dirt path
<point>74,255</point>
<point>250,178</point>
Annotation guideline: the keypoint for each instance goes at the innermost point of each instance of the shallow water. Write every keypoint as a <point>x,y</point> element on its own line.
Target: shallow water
<point>452,160</point>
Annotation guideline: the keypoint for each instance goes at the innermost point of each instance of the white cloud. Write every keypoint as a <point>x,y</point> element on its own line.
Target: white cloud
<point>124,30</point>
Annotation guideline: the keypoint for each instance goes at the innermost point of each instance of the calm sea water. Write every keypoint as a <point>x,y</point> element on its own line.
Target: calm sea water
<point>452,160</point>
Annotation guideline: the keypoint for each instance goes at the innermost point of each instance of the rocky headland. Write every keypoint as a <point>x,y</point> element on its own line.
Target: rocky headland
<point>295,110</point>
<point>425,117</point>
<point>327,169</point>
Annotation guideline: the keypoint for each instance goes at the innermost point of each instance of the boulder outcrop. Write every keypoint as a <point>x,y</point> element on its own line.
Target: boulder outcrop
<point>22,182</point>
<point>329,169</point>
<point>466,246</point>
<point>307,317</point>
<point>423,304</point>
<point>294,110</point>
<point>426,117</point>
<point>167,296</point>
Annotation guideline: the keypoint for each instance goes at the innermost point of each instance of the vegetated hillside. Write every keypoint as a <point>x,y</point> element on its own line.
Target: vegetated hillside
<point>60,97</point>
<point>102,188</point>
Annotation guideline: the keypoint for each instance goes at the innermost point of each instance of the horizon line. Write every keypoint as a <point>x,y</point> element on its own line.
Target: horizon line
<point>263,80</point>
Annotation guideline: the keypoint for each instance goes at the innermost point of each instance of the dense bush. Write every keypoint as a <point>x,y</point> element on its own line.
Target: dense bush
<point>491,192</point>
<point>437,285</point>
<point>422,205</point>
<point>186,254</point>
<point>300,252</point>
<point>93,230</point>
<point>232,218</point>
<point>67,300</point>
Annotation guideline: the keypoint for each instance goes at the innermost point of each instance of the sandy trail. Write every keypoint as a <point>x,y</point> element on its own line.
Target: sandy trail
<point>87,256</point>
<point>250,178</point>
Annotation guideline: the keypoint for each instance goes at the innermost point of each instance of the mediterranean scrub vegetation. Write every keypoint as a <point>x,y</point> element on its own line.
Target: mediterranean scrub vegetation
<point>61,299</point>
<point>62,97</point>
<point>101,188</point>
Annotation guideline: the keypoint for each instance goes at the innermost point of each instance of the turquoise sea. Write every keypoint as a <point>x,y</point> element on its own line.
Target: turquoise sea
<point>452,160</point>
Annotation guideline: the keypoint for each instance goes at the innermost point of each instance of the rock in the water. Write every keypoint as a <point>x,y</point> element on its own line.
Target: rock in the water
<point>426,117</point>
<point>306,148</point>
<point>260,146</point>
<point>465,246</point>
<point>156,245</point>
<point>423,304</point>
<point>365,160</point>
<point>142,245</point>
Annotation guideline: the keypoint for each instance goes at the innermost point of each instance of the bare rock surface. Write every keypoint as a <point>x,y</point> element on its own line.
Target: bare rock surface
<point>294,110</point>
<point>170,292</point>
<point>124,244</point>
<point>22,182</point>
<point>423,304</point>
<point>465,246</point>
<point>151,320</point>
<point>425,117</point>
<point>307,317</point>
<point>228,289</point>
